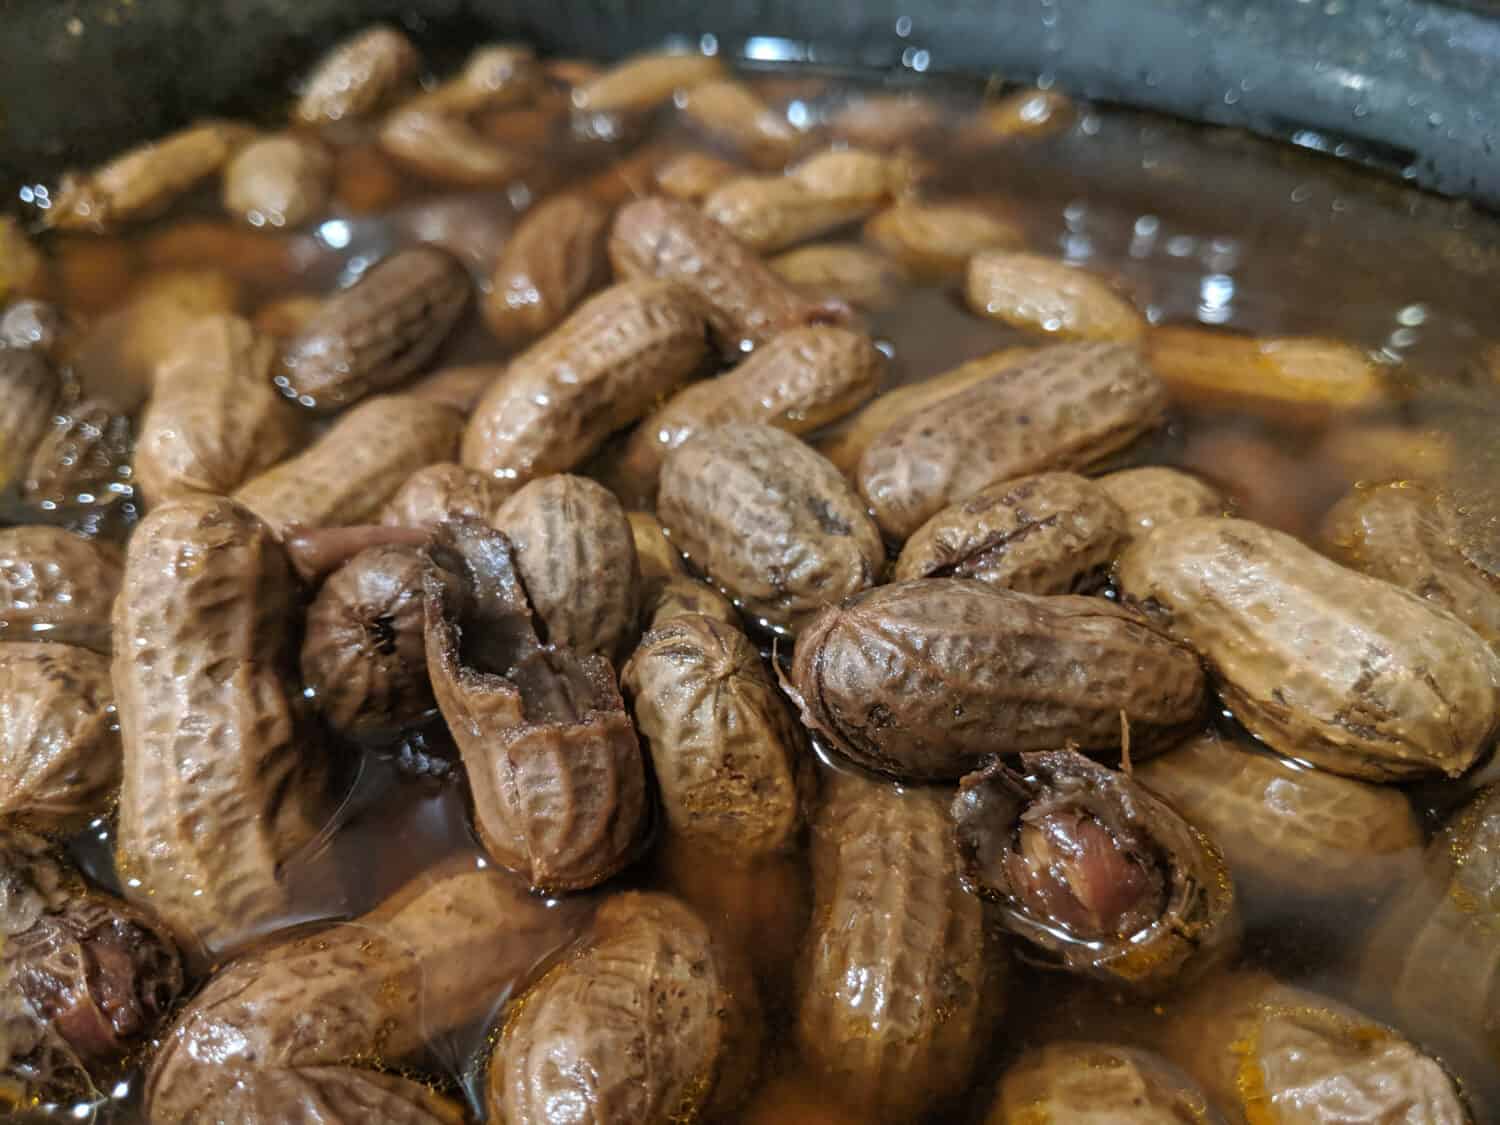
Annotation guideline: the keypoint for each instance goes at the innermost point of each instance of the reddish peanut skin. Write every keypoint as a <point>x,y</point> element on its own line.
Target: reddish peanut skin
<point>1323,663</point>
<point>598,371</point>
<point>769,521</point>
<point>748,303</point>
<point>555,256</point>
<point>379,332</point>
<point>922,680</point>
<point>1065,407</point>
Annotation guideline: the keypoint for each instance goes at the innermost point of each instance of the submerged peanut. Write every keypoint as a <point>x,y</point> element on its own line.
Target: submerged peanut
<point>934,239</point>
<point>437,493</point>
<point>644,81</point>
<point>57,586</point>
<point>841,271</point>
<point>733,111</point>
<point>357,75</point>
<point>29,389</point>
<point>692,175</point>
<point>1044,295</point>
<point>1072,1083</point>
<point>278,182</point>
<point>1026,113</point>
<point>1154,496</point>
<point>553,259</point>
<point>769,521</point>
<point>448,149</point>
<point>21,263</point>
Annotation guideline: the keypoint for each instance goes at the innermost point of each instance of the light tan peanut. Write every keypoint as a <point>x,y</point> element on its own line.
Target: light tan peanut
<point>645,81</point>
<point>887,120</point>
<point>439,492</point>
<point>595,373</point>
<point>448,149</point>
<point>284,317</point>
<point>21,264</point>
<point>1063,407</point>
<point>843,271</point>
<point>1388,452</point>
<point>218,793</point>
<point>692,175</point>
<point>1321,662</point>
<point>935,239</point>
<point>673,241</point>
<point>1153,496</point>
<point>1026,113</point>
<point>1051,533</point>
<point>348,473</point>
<point>494,77</point>
<point>56,586</point>
<point>214,419</point>
<point>731,763</point>
<point>278,181</point>
<point>143,181</point>
<point>554,258</point>
<point>731,111</point>
<point>1041,294</point>
<point>799,382</point>
<point>848,445</point>
<point>1287,378</point>
<point>769,521</point>
<point>59,743</point>
<point>29,389</point>
<point>357,76</point>
<point>831,189</point>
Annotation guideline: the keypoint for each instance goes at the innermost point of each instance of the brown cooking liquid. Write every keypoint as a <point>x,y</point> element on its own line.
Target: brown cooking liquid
<point>1203,226</point>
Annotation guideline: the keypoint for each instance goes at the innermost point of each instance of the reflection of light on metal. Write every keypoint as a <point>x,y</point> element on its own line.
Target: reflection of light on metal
<point>334,234</point>
<point>1215,295</point>
<point>773,48</point>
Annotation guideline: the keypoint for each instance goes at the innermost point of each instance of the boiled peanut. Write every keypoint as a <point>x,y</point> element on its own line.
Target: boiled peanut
<point>887,120</point>
<point>729,759</point>
<point>56,586</point>
<point>692,175</point>
<point>357,75</point>
<point>1064,407</point>
<point>284,317</point>
<point>29,389</point>
<point>1323,663</point>
<point>448,149</point>
<point>144,181</point>
<point>576,556</point>
<point>82,461</point>
<point>553,259</point>
<point>279,181</point>
<point>439,492</point>
<point>1026,113</point>
<point>645,81</point>
<point>897,992</point>
<point>59,744</point>
<point>799,382</point>
<point>21,264</point>
<point>377,333</point>
<point>732,111</point>
<point>934,239</point>
<point>921,680</point>
<point>1373,452</point>
<point>1153,496</point>
<point>458,387</point>
<point>769,521</point>
<point>678,597</point>
<point>217,793</point>
<point>365,179</point>
<point>598,371</point>
<point>671,240</point>
<point>349,473</point>
<point>843,271</point>
<point>1097,1084</point>
<point>1041,294</point>
<point>214,419</point>
<point>493,77</point>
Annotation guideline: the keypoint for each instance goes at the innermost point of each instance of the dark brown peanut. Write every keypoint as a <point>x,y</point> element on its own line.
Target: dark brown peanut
<point>556,772</point>
<point>1041,294</point>
<point>84,979</point>
<point>278,181</point>
<point>1098,1084</point>
<point>363,654</point>
<point>1064,407</point>
<point>1289,832</point>
<point>769,521</point>
<point>1052,533</point>
<point>678,597</point>
<point>218,794</point>
<point>1322,662</point>
<point>1408,535</point>
<point>378,333</point>
<point>144,181</point>
<point>82,461</point>
<point>348,474</point>
<point>554,258</point>
<point>651,1022</point>
<point>21,263</point>
<point>314,1025</point>
<point>936,239</point>
<point>674,241</point>
<point>733,111</point>
<point>799,382</point>
<point>841,271</point>
<point>645,81</point>
<point>357,75</point>
<point>57,586</point>
<point>595,373</point>
<point>440,492</point>
<point>29,390</point>
<point>214,419</point>
<point>576,556</point>
<point>284,317</point>
<point>1153,496</point>
<point>925,679</point>
<point>897,992</point>
<point>458,387</point>
<point>730,761</point>
<point>59,745</point>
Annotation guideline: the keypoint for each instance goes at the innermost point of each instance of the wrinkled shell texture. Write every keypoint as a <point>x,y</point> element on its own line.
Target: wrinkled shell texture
<point>727,754</point>
<point>57,586</point>
<point>218,793</point>
<point>769,521</point>
<point>923,679</point>
<point>441,492</point>
<point>892,1003</point>
<point>1073,1083</point>
<point>1063,408</point>
<point>357,75</point>
<point>555,256</point>
<point>1320,661</point>
<point>648,1023</point>
<point>1045,295</point>
<point>1154,495</point>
